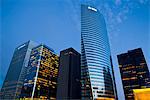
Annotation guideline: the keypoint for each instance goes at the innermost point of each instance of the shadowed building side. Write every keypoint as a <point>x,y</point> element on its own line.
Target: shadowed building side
<point>69,86</point>
<point>13,82</point>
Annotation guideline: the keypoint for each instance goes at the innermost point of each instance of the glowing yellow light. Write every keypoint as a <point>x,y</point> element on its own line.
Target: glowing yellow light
<point>105,98</point>
<point>141,94</point>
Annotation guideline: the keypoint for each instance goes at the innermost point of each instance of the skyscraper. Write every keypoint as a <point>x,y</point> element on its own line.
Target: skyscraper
<point>41,79</point>
<point>96,70</point>
<point>134,72</point>
<point>69,76</point>
<point>16,73</point>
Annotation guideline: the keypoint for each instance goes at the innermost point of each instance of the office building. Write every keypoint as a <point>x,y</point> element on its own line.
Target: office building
<point>16,73</point>
<point>41,79</point>
<point>134,72</point>
<point>96,69</point>
<point>69,87</point>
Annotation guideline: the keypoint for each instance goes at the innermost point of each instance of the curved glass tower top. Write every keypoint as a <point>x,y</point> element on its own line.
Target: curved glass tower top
<point>97,75</point>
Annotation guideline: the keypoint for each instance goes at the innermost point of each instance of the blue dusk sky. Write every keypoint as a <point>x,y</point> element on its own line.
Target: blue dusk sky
<point>56,23</point>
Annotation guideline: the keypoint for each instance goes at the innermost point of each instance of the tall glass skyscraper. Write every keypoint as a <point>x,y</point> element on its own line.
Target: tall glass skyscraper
<point>17,70</point>
<point>41,79</point>
<point>96,70</point>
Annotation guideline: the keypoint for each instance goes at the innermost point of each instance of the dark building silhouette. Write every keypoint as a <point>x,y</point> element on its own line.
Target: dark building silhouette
<point>69,75</point>
<point>41,79</point>
<point>134,72</point>
<point>13,82</point>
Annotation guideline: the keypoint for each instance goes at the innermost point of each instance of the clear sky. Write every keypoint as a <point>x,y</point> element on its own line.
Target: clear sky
<point>56,23</point>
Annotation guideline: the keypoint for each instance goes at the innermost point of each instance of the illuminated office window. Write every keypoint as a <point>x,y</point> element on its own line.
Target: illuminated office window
<point>41,80</point>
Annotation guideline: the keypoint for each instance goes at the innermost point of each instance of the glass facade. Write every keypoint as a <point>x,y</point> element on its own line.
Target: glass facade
<point>96,69</point>
<point>134,72</point>
<point>17,70</point>
<point>41,79</point>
